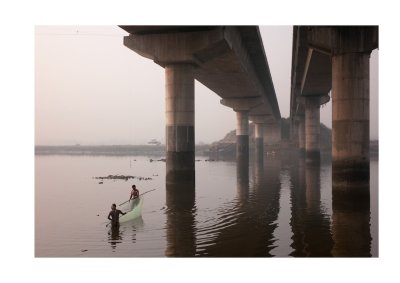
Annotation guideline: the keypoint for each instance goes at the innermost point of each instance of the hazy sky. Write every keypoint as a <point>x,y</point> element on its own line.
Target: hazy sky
<point>61,59</point>
<point>91,89</point>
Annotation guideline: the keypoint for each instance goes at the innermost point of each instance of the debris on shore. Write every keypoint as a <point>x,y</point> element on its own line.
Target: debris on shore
<point>123,177</point>
<point>154,160</point>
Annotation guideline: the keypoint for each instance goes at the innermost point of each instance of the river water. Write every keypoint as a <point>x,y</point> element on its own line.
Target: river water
<point>284,209</point>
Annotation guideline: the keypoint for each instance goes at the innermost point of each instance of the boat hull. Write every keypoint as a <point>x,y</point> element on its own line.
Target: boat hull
<point>135,212</point>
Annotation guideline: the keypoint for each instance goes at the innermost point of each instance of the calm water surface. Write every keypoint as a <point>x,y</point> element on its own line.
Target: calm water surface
<point>283,209</point>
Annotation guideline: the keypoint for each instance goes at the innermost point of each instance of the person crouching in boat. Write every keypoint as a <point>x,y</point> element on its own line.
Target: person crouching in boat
<point>113,216</point>
<point>134,192</point>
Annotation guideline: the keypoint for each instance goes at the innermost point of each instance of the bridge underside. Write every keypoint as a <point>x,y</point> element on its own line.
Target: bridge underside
<point>311,72</point>
<point>228,60</point>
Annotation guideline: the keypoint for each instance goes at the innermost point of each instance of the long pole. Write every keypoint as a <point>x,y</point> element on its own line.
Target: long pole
<point>139,196</point>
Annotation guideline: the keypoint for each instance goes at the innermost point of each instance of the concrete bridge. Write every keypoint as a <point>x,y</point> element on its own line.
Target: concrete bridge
<point>229,60</point>
<point>334,60</point>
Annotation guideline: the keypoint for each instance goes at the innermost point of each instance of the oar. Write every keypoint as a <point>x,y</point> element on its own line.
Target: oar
<point>139,196</point>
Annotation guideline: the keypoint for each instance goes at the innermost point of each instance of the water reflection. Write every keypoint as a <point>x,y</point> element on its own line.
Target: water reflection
<point>351,209</point>
<point>242,181</point>
<point>258,172</point>
<point>136,224</point>
<point>242,170</point>
<point>351,221</point>
<point>285,208</point>
<point>114,236</point>
<point>268,194</point>
<point>180,225</point>
<point>246,224</point>
<point>310,223</point>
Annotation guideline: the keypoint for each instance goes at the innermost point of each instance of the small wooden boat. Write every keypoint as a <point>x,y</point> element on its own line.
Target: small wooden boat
<point>135,210</point>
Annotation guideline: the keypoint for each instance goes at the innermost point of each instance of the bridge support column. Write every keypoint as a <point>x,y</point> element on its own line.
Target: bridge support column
<point>242,106</point>
<point>259,122</point>
<point>294,133</point>
<point>312,121</point>
<point>242,138</point>
<point>350,117</point>
<point>350,110</point>
<point>179,102</point>
<point>259,141</point>
<point>302,136</point>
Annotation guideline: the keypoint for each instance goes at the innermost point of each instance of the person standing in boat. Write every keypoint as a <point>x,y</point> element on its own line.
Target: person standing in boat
<point>134,192</point>
<point>113,216</point>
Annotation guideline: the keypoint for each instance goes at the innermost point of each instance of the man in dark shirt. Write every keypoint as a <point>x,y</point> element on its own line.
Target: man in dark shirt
<point>114,216</point>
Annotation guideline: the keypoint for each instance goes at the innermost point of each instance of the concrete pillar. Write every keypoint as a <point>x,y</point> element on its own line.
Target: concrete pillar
<point>179,102</point>
<point>242,106</point>
<point>294,133</point>
<point>242,145</point>
<point>312,121</point>
<point>302,135</point>
<point>242,133</point>
<point>259,141</point>
<point>350,140</point>
<point>351,50</point>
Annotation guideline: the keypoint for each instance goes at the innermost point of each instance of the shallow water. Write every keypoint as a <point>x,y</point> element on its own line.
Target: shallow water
<point>284,210</point>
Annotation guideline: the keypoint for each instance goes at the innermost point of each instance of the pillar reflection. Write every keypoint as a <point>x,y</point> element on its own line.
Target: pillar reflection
<point>310,223</point>
<point>181,238</point>
<point>268,195</point>
<point>351,220</point>
<point>247,224</point>
<point>297,212</point>
<point>258,173</point>
<point>242,178</point>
